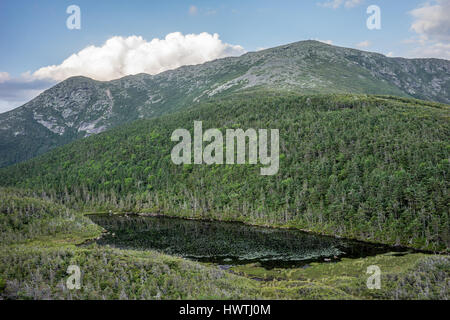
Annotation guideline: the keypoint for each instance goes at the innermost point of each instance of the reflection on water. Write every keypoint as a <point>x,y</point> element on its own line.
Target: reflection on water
<point>228,243</point>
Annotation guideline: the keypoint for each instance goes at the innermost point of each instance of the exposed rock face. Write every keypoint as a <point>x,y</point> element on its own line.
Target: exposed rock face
<point>79,106</point>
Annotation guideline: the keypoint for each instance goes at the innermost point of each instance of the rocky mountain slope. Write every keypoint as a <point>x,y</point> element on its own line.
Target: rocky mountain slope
<point>79,106</point>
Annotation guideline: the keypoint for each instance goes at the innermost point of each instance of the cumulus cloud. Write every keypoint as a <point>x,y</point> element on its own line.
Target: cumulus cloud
<point>431,20</point>
<point>364,44</point>
<point>334,4</point>
<point>120,56</point>
<point>432,27</point>
<point>431,50</point>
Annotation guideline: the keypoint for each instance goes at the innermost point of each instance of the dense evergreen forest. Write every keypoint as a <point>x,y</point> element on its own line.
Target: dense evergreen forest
<point>41,239</point>
<point>367,167</point>
<point>38,241</point>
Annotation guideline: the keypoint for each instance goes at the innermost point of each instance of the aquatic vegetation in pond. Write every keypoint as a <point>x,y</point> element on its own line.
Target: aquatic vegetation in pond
<point>228,243</point>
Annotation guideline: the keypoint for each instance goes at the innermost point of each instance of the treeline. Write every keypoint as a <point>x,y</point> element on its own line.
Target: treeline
<point>368,167</point>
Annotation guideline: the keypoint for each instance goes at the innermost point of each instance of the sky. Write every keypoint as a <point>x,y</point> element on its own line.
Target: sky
<point>43,42</point>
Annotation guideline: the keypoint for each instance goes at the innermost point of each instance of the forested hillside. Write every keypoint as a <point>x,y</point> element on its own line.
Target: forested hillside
<point>79,106</point>
<point>369,167</point>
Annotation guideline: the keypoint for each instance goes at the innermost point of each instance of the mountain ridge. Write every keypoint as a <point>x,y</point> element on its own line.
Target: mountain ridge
<point>79,106</point>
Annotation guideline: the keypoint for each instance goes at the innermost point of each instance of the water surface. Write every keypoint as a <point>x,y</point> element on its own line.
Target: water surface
<point>228,242</point>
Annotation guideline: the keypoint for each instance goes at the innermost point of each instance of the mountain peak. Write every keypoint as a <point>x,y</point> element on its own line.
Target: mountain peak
<point>80,106</point>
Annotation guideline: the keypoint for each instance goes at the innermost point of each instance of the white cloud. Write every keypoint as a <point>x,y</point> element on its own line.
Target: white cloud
<point>334,4</point>
<point>4,76</point>
<point>431,50</point>
<point>120,56</point>
<point>432,20</point>
<point>432,27</point>
<point>390,54</point>
<point>193,10</point>
<point>364,44</point>
<point>325,41</point>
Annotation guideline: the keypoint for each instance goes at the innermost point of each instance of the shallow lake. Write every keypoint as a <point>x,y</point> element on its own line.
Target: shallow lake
<point>229,243</point>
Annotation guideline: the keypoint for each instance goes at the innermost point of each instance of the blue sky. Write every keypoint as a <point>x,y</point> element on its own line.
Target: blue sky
<point>34,33</point>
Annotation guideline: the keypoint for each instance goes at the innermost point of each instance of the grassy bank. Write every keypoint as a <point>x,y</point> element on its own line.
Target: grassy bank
<point>39,241</point>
